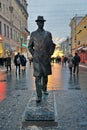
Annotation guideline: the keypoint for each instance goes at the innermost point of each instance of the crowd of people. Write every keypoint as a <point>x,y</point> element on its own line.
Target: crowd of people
<point>19,61</point>
<point>73,62</point>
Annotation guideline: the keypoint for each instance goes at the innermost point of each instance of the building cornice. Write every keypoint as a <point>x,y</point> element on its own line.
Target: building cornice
<point>22,7</point>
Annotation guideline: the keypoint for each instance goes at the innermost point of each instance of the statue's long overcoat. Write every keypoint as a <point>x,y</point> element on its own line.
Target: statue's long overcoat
<point>41,47</point>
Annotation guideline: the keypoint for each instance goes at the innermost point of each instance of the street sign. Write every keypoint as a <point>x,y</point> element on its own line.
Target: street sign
<point>24,45</point>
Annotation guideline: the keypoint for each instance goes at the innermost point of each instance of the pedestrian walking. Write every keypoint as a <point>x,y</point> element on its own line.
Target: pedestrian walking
<point>17,62</point>
<point>70,63</point>
<point>8,63</point>
<point>76,61</point>
<point>1,61</point>
<point>62,60</point>
<point>65,60</point>
<point>30,60</point>
<point>23,62</point>
<point>41,47</point>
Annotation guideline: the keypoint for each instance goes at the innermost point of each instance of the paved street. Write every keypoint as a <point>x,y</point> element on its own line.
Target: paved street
<point>70,96</point>
<point>14,95</point>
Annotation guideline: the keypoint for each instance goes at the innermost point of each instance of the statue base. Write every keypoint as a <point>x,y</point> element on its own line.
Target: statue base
<point>40,114</point>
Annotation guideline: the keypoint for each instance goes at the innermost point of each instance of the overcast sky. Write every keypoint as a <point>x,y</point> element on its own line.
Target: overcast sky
<point>58,14</point>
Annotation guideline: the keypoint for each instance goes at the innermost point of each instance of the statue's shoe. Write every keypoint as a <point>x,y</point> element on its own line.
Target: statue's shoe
<point>38,100</point>
<point>46,93</point>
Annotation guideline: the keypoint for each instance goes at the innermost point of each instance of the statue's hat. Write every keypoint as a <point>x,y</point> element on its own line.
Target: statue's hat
<point>40,18</point>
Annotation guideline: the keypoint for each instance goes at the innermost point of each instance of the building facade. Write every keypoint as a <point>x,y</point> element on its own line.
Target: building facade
<point>82,39</point>
<point>13,25</point>
<point>66,46</point>
<point>79,37</point>
<point>73,24</point>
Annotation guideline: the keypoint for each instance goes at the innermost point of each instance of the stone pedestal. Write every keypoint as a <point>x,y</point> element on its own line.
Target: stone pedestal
<point>40,114</point>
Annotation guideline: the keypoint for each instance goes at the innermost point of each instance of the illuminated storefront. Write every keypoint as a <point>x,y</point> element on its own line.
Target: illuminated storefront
<point>1,47</point>
<point>58,53</point>
<point>82,52</point>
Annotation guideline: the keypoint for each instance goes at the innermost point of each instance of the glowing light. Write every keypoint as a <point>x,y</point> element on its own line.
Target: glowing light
<point>2,86</point>
<point>2,91</point>
<point>0,38</point>
<point>58,53</point>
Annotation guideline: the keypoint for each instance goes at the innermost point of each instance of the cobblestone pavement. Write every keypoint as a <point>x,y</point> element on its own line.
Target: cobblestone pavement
<point>16,92</point>
<point>71,111</point>
<point>70,100</point>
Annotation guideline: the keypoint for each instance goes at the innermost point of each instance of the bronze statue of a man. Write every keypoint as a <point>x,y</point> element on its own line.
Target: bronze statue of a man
<point>41,47</point>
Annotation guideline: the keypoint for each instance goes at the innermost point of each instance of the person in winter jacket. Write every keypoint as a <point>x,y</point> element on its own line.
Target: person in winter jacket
<point>23,62</point>
<point>8,63</point>
<point>41,47</point>
<point>76,61</point>
<point>17,62</point>
<point>70,63</point>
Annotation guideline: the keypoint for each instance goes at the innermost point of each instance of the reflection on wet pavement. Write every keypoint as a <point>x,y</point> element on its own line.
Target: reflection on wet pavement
<point>74,82</point>
<point>2,86</point>
<point>10,82</point>
<point>59,80</point>
<point>62,80</point>
<point>55,80</point>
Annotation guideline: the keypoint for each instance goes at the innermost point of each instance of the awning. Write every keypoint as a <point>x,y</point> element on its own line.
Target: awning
<point>80,48</point>
<point>84,48</point>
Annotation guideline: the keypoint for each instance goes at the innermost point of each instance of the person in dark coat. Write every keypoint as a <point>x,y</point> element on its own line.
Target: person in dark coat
<point>41,47</point>
<point>76,61</point>
<point>23,62</point>
<point>70,63</point>
<point>8,63</point>
<point>17,62</point>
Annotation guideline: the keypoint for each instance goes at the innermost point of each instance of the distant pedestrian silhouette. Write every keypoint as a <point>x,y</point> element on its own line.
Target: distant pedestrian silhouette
<point>8,63</point>
<point>23,62</point>
<point>70,63</point>
<point>76,61</point>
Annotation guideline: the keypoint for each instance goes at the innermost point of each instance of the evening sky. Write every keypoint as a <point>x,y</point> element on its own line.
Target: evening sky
<point>58,14</point>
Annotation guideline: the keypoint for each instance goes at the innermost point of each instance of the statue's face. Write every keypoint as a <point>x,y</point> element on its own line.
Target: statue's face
<point>40,24</point>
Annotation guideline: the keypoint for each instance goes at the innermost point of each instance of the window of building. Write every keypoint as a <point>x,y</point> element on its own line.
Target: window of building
<point>11,33</point>
<point>5,30</point>
<point>85,26</point>
<point>14,34</point>
<point>78,42</point>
